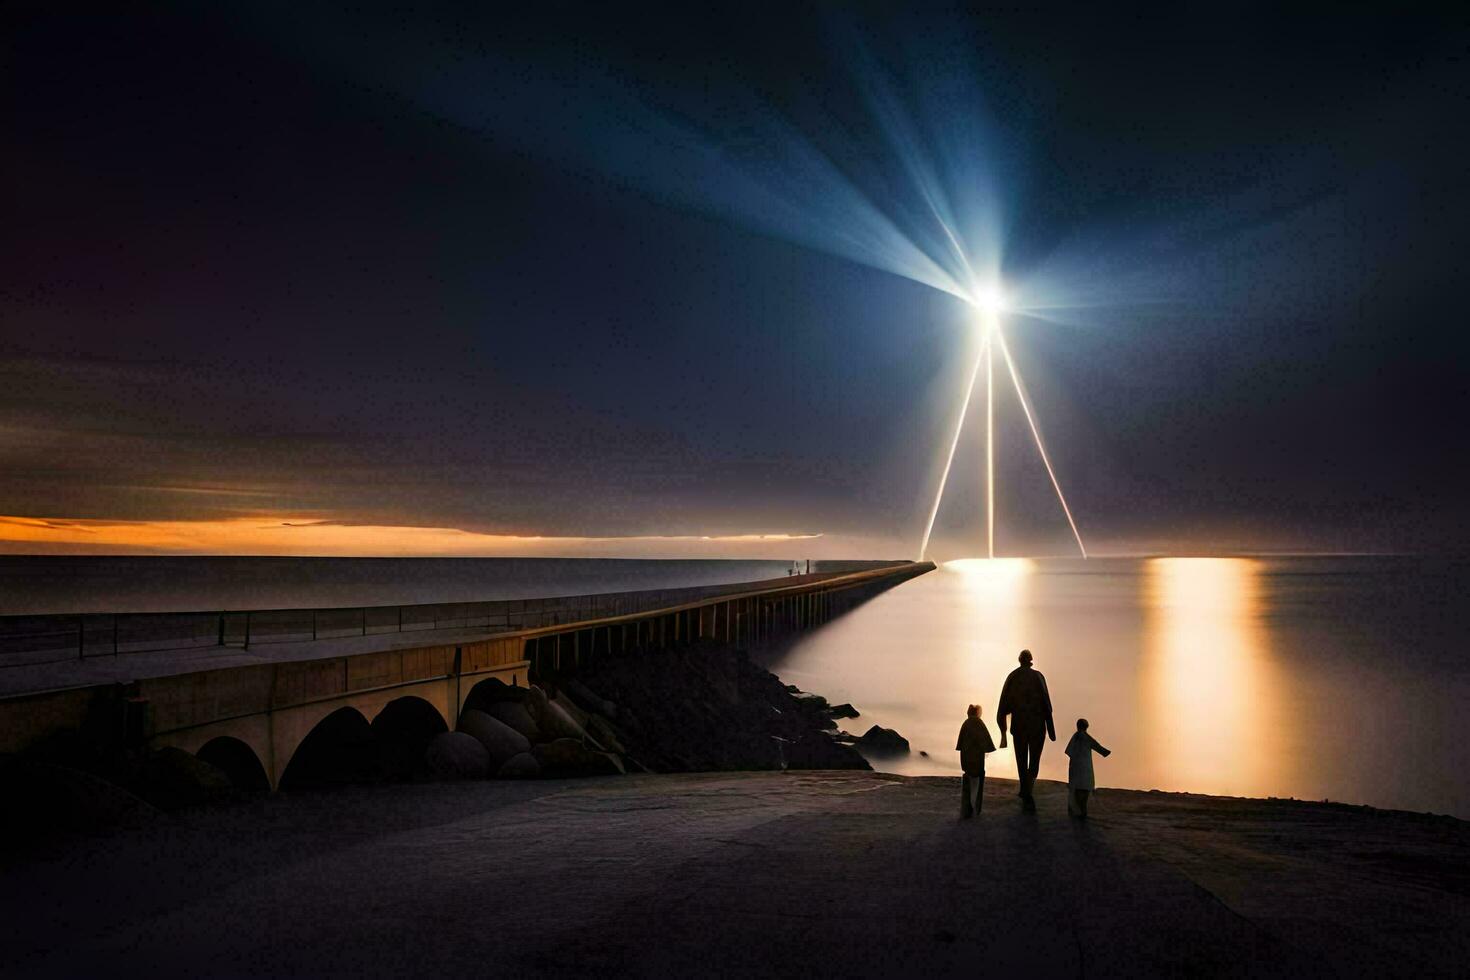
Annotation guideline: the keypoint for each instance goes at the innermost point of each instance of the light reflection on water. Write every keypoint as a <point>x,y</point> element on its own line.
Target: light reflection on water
<point>1312,678</point>
<point>1207,675</point>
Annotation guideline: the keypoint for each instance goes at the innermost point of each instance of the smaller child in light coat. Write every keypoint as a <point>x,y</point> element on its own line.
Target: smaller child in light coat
<point>1080,781</point>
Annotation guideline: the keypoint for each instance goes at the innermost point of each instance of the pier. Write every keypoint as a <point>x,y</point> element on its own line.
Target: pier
<point>245,689</point>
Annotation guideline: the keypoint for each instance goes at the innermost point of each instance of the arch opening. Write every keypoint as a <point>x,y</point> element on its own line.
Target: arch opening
<point>403,731</point>
<point>339,751</point>
<point>238,761</point>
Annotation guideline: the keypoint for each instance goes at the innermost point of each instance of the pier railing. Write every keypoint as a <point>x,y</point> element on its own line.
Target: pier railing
<point>53,638</point>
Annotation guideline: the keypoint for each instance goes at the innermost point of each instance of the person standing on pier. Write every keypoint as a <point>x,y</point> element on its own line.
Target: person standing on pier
<point>1026,702</point>
<point>973,744</point>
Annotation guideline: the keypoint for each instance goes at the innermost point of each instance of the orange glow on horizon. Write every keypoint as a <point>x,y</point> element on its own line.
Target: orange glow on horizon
<point>301,537</point>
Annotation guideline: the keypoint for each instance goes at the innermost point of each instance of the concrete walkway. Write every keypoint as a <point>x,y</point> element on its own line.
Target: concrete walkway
<point>125,668</point>
<point>801,874</point>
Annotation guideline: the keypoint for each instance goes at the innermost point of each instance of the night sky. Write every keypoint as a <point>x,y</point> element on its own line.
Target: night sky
<point>648,273</point>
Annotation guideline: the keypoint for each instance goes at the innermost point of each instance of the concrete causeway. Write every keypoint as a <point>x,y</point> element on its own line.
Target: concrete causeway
<point>260,704</point>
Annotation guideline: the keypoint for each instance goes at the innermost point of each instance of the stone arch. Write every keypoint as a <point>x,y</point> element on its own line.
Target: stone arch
<point>402,731</point>
<point>340,749</point>
<point>237,760</point>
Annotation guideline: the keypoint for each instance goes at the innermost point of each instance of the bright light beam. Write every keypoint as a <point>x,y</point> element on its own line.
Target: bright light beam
<point>1035,433</point>
<point>954,444</point>
<point>989,445</point>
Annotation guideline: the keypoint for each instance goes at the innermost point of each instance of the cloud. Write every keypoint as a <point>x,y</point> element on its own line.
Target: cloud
<point>294,537</point>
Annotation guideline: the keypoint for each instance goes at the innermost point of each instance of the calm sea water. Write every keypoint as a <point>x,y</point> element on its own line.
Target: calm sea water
<point>67,584</point>
<point>1316,678</point>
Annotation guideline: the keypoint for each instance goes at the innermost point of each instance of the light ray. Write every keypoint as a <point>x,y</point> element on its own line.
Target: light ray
<point>954,241</point>
<point>989,445</point>
<point>949,461</point>
<point>1036,434</point>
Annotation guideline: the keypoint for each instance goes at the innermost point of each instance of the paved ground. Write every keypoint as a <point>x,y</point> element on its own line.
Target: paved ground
<point>799,874</point>
<point>16,679</point>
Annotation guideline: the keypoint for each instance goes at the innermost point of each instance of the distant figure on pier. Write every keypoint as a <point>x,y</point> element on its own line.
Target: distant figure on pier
<point>973,744</point>
<point>1026,702</point>
<point>1080,782</point>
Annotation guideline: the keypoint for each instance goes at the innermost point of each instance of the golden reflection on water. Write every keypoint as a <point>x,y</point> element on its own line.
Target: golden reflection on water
<point>1209,691</point>
<point>995,592</point>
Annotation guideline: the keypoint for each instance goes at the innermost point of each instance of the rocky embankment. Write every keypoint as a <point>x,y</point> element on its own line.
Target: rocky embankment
<point>696,709</point>
<point>706,707</point>
<point>701,708</point>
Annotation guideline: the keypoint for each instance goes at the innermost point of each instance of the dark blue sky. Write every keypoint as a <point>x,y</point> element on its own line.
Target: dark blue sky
<point>586,273</point>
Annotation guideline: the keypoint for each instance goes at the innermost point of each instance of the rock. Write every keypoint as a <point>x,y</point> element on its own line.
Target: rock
<point>569,757</point>
<point>842,711</point>
<point>522,766</point>
<point>561,754</point>
<point>704,707</point>
<point>86,751</point>
<point>551,718</point>
<point>516,716</point>
<point>457,755</point>
<point>812,701</point>
<point>492,690</point>
<point>500,740</point>
<point>173,778</point>
<point>813,707</point>
<point>563,701</point>
<point>600,730</point>
<point>923,753</point>
<point>884,740</point>
<point>590,700</point>
<point>47,799</point>
<point>556,723</point>
<point>817,751</point>
<point>495,689</point>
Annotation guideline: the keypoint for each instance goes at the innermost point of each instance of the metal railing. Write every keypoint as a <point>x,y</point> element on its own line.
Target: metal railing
<point>40,639</point>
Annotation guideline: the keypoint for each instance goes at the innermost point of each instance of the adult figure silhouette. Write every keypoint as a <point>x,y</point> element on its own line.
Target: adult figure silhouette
<point>1026,703</point>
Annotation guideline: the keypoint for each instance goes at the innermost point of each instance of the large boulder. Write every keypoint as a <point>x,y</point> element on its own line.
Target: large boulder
<point>569,757</point>
<point>884,740</point>
<point>813,707</point>
<point>500,740</point>
<point>491,690</point>
<point>565,703</point>
<point>516,716</point>
<point>457,755</point>
<point>523,766</point>
<point>601,731</point>
<point>172,778</point>
<point>813,702</point>
<point>816,750</point>
<point>842,711</point>
<point>48,799</point>
<point>551,718</point>
<point>556,723</point>
<point>590,700</point>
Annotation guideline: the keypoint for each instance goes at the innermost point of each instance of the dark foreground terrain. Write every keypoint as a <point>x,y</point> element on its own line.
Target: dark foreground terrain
<point>801,874</point>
